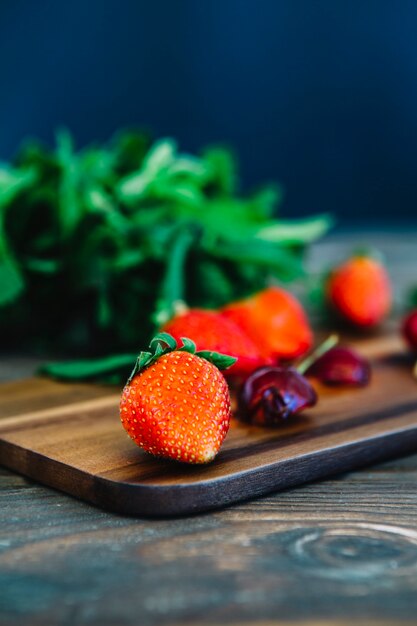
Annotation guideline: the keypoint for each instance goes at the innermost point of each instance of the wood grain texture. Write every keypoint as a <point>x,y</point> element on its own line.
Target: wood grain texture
<point>328,553</point>
<point>342,550</point>
<point>70,437</point>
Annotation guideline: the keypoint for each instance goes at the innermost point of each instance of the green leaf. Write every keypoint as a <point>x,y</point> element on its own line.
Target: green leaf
<point>286,263</point>
<point>173,285</point>
<point>104,309</point>
<point>192,168</point>
<point>181,192</point>
<point>210,283</point>
<point>13,181</point>
<point>129,148</point>
<point>88,368</point>
<point>264,203</point>
<point>11,281</point>
<point>144,359</point>
<point>188,345</point>
<point>128,259</point>
<point>222,166</point>
<point>164,338</point>
<point>99,202</point>
<point>160,155</point>
<point>296,231</point>
<point>221,361</point>
<point>42,266</point>
<point>133,187</point>
<point>70,207</point>
<point>149,218</point>
<point>162,343</point>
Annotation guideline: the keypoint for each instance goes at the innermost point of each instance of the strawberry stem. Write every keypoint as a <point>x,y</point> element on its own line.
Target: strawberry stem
<point>324,347</point>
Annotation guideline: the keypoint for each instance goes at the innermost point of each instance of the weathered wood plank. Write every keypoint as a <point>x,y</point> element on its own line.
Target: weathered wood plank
<point>345,545</point>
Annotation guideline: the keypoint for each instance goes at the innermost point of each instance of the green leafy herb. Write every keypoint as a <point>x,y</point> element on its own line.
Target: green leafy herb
<point>98,245</point>
<point>89,368</point>
<point>412,298</point>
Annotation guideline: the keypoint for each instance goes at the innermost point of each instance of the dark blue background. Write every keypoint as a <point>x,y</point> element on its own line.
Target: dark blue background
<point>321,95</point>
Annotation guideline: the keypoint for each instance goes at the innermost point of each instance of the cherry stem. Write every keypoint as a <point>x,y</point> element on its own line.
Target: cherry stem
<point>324,347</point>
<point>415,370</point>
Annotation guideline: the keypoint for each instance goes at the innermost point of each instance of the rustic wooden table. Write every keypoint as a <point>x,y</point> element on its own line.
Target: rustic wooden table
<point>325,553</point>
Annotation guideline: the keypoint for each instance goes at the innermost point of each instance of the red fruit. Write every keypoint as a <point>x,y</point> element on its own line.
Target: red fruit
<point>341,366</point>
<point>212,331</point>
<point>409,329</point>
<point>275,321</point>
<point>272,394</point>
<point>360,291</point>
<point>176,403</point>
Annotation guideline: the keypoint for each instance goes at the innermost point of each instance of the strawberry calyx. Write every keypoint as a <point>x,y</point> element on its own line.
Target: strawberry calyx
<point>367,252</point>
<point>164,343</point>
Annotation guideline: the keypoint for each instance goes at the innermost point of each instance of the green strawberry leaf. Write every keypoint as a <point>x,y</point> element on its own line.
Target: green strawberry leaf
<point>221,361</point>
<point>188,346</point>
<point>163,338</point>
<point>164,343</point>
<point>144,358</point>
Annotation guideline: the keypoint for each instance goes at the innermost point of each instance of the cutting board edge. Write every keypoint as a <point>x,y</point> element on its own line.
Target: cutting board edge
<point>141,500</point>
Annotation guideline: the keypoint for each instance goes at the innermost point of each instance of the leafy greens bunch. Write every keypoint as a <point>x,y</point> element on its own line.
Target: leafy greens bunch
<point>97,246</point>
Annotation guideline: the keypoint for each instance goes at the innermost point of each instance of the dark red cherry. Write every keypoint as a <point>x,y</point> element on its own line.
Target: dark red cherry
<point>272,394</point>
<point>409,329</point>
<point>341,366</point>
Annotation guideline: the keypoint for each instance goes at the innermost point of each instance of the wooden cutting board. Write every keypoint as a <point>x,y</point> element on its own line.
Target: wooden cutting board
<point>69,436</point>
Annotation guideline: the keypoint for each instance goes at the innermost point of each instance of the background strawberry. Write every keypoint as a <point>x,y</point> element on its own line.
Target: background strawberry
<point>176,403</point>
<point>275,321</point>
<point>215,332</point>
<point>359,290</point>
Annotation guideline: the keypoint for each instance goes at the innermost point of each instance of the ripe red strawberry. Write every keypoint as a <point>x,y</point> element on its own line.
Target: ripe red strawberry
<point>215,332</point>
<point>176,404</point>
<point>275,321</point>
<point>359,291</point>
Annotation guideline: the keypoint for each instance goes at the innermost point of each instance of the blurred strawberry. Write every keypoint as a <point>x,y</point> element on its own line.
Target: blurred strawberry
<point>359,290</point>
<point>275,321</point>
<point>213,332</point>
